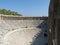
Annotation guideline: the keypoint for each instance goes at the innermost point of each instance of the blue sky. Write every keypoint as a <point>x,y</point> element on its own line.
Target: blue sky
<point>26,7</point>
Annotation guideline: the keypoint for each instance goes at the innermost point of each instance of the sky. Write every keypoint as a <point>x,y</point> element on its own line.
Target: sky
<point>26,7</point>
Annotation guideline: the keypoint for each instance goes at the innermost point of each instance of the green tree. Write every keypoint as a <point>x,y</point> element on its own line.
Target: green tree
<point>9,12</point>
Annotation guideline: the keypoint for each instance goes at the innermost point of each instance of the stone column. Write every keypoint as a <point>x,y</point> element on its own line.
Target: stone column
<point>57,32</point>
<point>50,22</point>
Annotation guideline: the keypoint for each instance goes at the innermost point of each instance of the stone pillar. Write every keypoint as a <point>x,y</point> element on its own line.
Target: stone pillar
<point>57,32</point>
<point>54,22</point>
<point>50,21</point>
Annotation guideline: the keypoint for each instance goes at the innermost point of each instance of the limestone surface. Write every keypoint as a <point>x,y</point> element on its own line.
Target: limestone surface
<point>23,37</point>
<point>25,31</point>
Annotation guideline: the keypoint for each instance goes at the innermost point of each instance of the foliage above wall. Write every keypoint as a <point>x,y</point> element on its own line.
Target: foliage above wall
<point>9,12</point>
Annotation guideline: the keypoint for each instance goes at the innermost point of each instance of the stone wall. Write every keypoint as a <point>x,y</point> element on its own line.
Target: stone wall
<point>27,30</point>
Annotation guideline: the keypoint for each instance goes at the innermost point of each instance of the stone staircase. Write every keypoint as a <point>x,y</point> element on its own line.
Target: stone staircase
<point>23,32</point>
